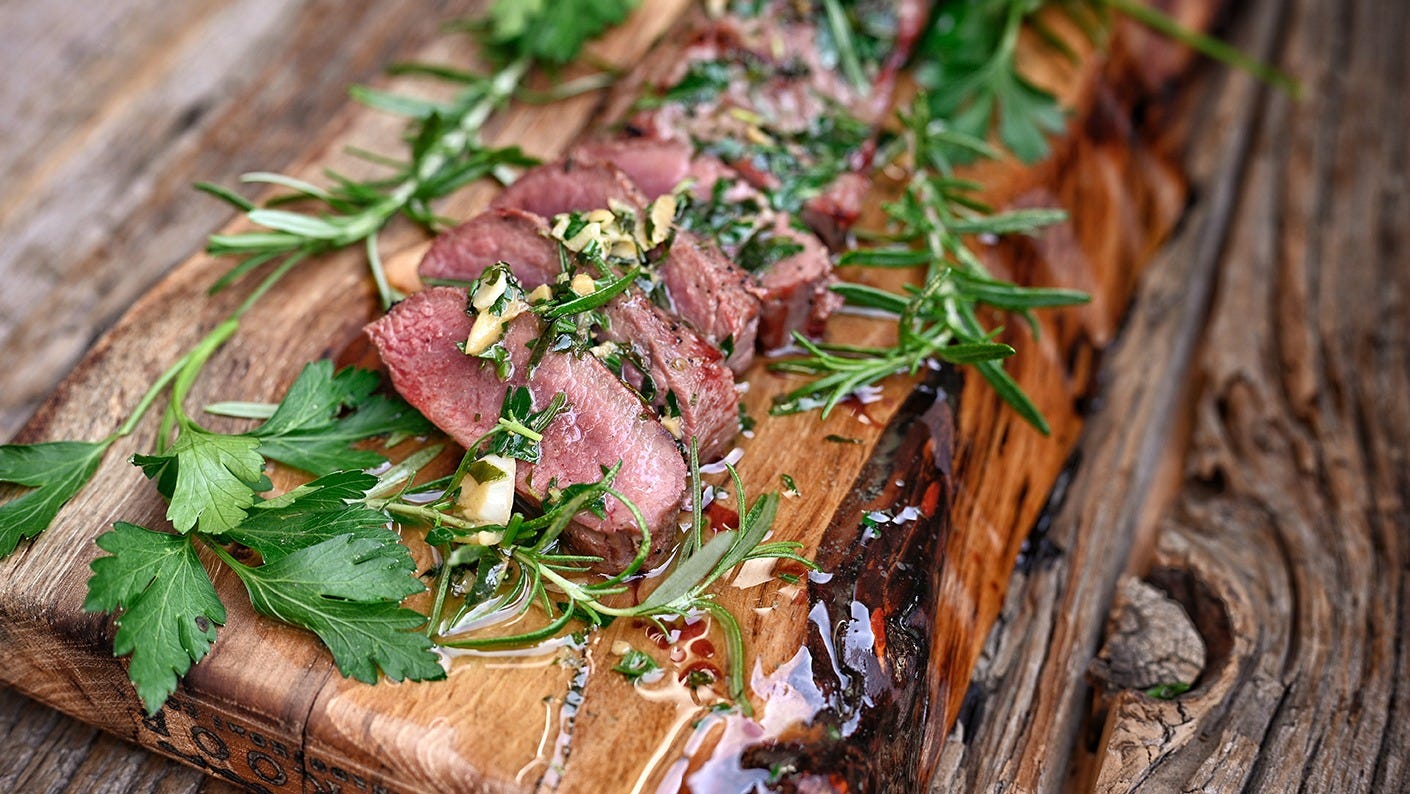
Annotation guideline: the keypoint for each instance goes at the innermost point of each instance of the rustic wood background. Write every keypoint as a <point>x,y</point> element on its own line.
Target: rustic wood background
<point>1246,456</point>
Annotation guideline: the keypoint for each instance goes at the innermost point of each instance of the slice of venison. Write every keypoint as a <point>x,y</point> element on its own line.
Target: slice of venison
<point>655,166</point>
<point>704,286</point>
<point>682,364</point>
<point>605,422</point>
<point>508,235</point>
<point>677,358</point>
<point>715,294</point>
<point>568,185</point>
<point>796,291</point>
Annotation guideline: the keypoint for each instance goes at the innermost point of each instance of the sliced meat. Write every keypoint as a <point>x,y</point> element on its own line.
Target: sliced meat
<point>569,186</point>
<point>655,166</point>
<point>832,212</point>
<point>715,295</point>
<point>795,291</point>
<point>604,423</point>
<point>703,286</point>
<point>513,236</point>
<point>676,356</point>
<point>681,363</point>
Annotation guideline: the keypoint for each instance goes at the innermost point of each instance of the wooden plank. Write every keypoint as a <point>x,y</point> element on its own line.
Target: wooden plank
<point>98,202</point>
<point>1287,542</point>
<point>1266,495</point>
<point>111,118</point>
<point>288,718</point>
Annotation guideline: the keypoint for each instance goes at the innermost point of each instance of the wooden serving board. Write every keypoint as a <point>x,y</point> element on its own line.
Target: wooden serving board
<point>883,648</point>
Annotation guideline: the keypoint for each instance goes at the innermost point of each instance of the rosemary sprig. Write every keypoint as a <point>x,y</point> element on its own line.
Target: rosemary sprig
<point>934,222</point>
<point>446,154</point>
<point>446,148</point>
<point>521,565</point>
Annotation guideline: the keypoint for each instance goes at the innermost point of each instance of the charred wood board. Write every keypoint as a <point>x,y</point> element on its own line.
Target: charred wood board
<point>877,656</point>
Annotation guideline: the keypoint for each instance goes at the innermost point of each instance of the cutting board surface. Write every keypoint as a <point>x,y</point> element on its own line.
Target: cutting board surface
<point>267,707</point>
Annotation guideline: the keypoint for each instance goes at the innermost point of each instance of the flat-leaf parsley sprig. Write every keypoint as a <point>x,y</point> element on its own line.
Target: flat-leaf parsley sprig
<point>328,562</point>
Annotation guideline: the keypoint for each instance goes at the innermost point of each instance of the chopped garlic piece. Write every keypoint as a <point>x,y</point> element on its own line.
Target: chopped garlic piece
<point>483,334</point>
<point>621,648</point>
<point>603,218</point>
<point>489,327</point>
<point>603,350</point>
<point>582,284</point>
<point>757,136</point>
<point>487,294</point>
<point>487,494</point>
<point>663,211</point>
<point>585,236</point>
<point>624,249</point>
<point>620,208</point>
<point>540,294</point>
<point>673,424</point>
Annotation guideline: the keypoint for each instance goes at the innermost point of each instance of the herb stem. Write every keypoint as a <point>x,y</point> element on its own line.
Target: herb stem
<point>148,399</point>
<point>519,429</point>
<point>734,652</point>
<point>846,49</point>
<point>1163,24</point>
<point>219,551</point>
<point>430,516</point>
<point>385,292</point>
<point>433,622</point>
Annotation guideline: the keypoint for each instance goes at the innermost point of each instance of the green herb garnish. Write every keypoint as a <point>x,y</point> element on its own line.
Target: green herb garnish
<point>635,665</point>
<point>934,222</point>
<point>1168,691</point>
<point>527,563</point>
<point>329,564</point>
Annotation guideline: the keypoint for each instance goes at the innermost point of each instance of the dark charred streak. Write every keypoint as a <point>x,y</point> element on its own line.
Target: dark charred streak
<point>972,708</point>
<point>871,736</point>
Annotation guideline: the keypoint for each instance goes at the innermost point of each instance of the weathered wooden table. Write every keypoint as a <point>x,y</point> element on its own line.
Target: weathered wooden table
<point>1246,458</point>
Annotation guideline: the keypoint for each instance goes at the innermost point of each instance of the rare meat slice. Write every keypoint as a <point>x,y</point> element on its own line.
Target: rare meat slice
<point>688,373</point>
<point>716,295</point>
<point>655,166</point>
<point>605,422</point>
<point>499,235</point>
<point>703,287</point>
<point>569,186</point>
<point>674,355</point>
<point>795,290</point>
<point>834,211</point>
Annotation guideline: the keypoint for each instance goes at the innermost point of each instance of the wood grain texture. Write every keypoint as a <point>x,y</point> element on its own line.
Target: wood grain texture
<point>110,115</point>
<point>1266,491</point>
<point>111,111</point>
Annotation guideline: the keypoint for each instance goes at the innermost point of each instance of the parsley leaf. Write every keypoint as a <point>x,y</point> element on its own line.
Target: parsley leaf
<point>523,426</point>
<point>551,33</point>
<point>169,606</point>
<point>312,514</point>
<point>56,470</point>
<point>967,64</point>
<point>347,590</point>
<point>210,478</point>
<point>308,433</point>
<point>636,666</point>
